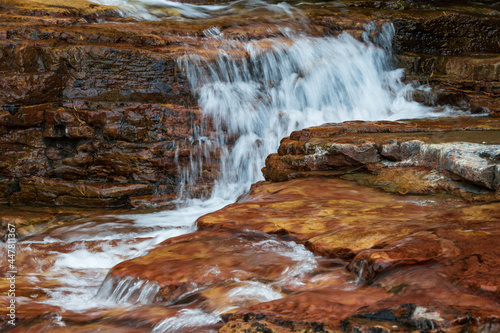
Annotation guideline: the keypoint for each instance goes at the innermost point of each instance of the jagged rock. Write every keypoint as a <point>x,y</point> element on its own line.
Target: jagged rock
<point>44,190</point>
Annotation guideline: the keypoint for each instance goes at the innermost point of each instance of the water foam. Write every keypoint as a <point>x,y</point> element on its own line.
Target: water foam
<point>255,99</point>
<point>82,270</point>
<point>185,319</point>
<point>252,101</point>
<point>153,10</point>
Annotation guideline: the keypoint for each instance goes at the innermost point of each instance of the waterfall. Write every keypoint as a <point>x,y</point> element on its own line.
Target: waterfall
<point>252,94</point>
<point>255,93</point>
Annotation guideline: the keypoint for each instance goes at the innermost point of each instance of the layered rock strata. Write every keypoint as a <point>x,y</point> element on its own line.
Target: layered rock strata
<point>93,100</point>
<point>455,155</point>
<point>92,114</point>
<point>397,263</point>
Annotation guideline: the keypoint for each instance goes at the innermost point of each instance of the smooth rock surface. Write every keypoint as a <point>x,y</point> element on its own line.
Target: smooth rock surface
<point>415,262</point>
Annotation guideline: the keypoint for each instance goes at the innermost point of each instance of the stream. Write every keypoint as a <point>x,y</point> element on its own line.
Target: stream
<point>250,103</point>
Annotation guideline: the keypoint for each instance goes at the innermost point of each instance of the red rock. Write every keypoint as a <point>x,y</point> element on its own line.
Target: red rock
<point>425,262</point>
<point>113,81</point>
<point>203,259</point>
<point>337,205</point>
<point>320,309</point>
<point>104,106</point>
<point>59,192</point>
<point>35,219</point>
<point>25,116</point>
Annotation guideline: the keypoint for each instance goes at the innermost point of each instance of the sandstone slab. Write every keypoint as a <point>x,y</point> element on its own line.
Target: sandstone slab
<point>420,273</point>
<point>447,155</point>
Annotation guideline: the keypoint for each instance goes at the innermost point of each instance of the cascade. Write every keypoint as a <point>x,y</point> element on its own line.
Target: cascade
<point>252,94</point>
<point>252,100</point>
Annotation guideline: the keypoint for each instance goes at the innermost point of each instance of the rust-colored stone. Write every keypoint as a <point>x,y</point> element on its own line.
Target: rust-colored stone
<point>153,200</point>
<point>207,258</point>
<point>322,310</point>
<point>431,271</point>
<point>32,220</point>
<point>69,78</point>
<point>418,156</point>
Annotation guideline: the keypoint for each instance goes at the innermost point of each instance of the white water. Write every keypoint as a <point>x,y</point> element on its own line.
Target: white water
<point>161,9</point>
<point>289,84</point>
<point>255,100</point>
<point>188,318</point>
<point>83,269</point>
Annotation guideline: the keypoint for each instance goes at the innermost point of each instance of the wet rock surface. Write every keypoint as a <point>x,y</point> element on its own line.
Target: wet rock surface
<point>419,270</point>
<point>402,263</point>
<point>95,111</point>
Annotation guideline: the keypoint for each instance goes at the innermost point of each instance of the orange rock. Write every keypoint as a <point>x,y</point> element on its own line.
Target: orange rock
<point>421,268</point>
<point>320,310</point>
<point>334,216</point>
<point>203,259</point>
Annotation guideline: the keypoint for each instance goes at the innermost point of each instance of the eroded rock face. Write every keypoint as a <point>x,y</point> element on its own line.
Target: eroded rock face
<point>458,156</point>
<point>89,109</point>
<point>98,114</point>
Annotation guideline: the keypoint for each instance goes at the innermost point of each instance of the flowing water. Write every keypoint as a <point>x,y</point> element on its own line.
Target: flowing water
<point>293,83</point>
<point>165,9</point>
<point>252,101</point>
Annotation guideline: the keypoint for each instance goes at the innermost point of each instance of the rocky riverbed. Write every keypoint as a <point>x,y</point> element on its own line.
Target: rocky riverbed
<point>360,226</point>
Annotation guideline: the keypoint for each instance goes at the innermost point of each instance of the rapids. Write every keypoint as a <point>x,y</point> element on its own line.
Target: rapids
<point>252,101</point>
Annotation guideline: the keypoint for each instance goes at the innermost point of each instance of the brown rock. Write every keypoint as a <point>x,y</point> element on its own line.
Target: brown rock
<point>62,192</point>
<point>22,116</point>
<point>35,219</point>
<point>99,84</point>
<point>322,309</point>
<point>152,200</point>
<point>204,259</point>
<point>6,186</point>
<point>428,265</point>
<point>486,68</point>
<point>345,215</point>
<point>59,7</point>
<point>441,158</point>
<point>90,190</point>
